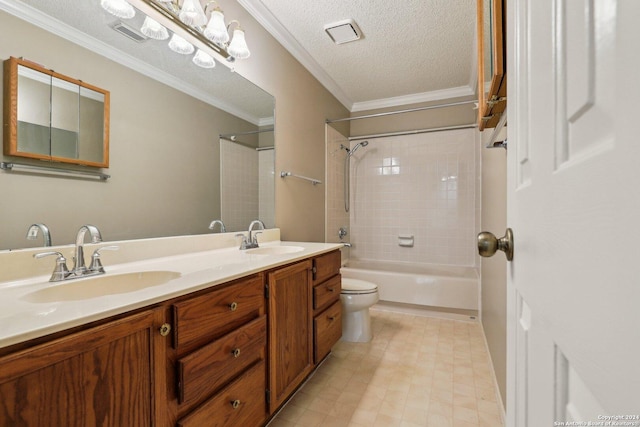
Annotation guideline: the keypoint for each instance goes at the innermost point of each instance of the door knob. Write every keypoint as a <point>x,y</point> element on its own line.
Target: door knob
<point>488,244</point>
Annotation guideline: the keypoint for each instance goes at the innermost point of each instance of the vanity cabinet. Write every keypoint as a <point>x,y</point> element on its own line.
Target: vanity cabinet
<point>327,308</point>
<point>219,343</point>
<point>229,355</point>
<point>290,330</point>
<point>304,321</point>
<point>101,376</point>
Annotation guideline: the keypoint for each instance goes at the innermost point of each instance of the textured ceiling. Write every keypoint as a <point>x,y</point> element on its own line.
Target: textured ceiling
<point>408,47</point>
<point>218,86</point>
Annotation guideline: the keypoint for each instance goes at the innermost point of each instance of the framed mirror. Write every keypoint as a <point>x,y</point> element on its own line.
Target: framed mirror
<point>166,118</point>
<point>49,116</point>
<point>492,80</point>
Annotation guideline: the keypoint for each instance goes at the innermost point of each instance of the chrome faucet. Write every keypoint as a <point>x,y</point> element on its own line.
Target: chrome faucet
<point>79,267</point>
<point>32,233</point>
<point>253,238</point>
<point>218,221</point>
<point>61,272</point>
<point>252,241</point>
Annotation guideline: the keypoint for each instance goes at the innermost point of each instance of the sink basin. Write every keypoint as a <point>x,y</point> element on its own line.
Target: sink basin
<point>97,286</point>
<point>275,250</point>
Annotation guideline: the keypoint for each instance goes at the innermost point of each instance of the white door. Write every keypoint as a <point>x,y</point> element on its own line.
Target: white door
<point>574,206</point>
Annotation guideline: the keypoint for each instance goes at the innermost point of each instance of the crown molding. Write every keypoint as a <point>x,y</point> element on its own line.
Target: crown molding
<point>284,37</point>
<point>416,98</point>
<point>61,29</point>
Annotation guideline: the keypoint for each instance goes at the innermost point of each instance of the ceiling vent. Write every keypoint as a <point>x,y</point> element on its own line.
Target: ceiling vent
<point>344,31</point>
<point>129,32</point>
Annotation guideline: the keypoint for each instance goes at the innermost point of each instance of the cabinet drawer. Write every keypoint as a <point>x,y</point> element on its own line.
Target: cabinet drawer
<point>205,370</point>
<point>204,318</point>
<point>242,403</point>
<point>327,330</point>
<point>325,266</point>
<point>327,292</point>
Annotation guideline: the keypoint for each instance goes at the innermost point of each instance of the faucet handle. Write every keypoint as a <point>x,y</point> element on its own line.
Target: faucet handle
<point>245,243</point>
<point>96,264</point>
<point>60,272</point>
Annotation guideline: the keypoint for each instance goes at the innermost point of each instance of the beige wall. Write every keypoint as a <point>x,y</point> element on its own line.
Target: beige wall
<point>164,178</point>
<point>494,269</point>
<point>302,106</point>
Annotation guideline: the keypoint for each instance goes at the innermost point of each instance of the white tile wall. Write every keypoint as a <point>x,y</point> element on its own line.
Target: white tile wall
<point>266,187</point>
<point>239,185</point>
<point>422,185</point>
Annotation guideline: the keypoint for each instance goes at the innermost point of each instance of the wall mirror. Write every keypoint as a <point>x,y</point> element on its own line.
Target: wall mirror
<point>49,116</point>
<point>165,171</point>
<point>492,81</point>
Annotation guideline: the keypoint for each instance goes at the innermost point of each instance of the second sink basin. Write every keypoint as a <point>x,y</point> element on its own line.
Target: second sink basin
<point>275,250</point>
<point>91,287</point>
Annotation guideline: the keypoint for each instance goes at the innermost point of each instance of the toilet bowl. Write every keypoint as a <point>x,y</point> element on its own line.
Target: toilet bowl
<point>357,296</point>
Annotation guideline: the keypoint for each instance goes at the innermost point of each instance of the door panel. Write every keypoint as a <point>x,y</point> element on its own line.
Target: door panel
<point>574,206</point>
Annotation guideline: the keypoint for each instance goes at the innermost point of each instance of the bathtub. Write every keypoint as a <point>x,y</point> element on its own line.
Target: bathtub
<point>434,286</point>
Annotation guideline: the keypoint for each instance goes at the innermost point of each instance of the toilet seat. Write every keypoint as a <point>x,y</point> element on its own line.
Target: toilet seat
<point>357,287</point>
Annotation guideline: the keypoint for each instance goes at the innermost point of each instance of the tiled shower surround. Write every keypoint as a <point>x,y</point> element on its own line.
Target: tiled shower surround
<point>422,185</point>
<point>246,185</point>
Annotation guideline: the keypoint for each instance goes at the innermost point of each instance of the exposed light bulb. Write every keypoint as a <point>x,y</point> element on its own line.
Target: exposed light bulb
<point>180,45</point>
<point>119,8</point>
<point>238,47</point>
<point>216,30</point>
<point>152,29</point>
<point>192,13</point>
<point>203,59</point>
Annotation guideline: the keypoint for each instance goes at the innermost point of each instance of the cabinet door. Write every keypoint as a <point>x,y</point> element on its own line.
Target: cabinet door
<point>101,376</point>
<point>290,330</point>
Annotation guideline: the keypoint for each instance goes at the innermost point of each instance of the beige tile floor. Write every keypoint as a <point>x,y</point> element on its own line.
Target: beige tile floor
<point>417,371</point>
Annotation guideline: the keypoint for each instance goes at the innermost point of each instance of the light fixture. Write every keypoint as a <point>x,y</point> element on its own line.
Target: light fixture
<point>238,47</point>
<point>187,20</point>
<point>152,29</point>
<point>203,59</point>
<point>192,13</point>
<point>216,30</point>
<point>180,45</point>
<point>119,8</point>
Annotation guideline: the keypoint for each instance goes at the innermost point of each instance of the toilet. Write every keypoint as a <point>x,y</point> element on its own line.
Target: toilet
<point>357,296</point>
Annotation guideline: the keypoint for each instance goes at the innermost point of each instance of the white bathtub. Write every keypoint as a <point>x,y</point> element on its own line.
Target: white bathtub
<point>435,286</point>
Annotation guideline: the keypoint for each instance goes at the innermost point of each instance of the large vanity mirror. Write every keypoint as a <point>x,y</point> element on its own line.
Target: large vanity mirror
<point>49,116</point>
<point>166,160</point>
<point>492,81</point>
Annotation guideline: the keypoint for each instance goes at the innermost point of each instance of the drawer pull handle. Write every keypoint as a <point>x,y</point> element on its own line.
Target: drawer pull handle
<point>331,318</point>
<point>233,306</point>
<point>235,404</point>
<point>330,289</point>
<point>236,352</point>
<point>165,329</point>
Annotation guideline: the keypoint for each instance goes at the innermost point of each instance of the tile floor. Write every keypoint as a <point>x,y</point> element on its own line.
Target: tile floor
<point>417,371</point>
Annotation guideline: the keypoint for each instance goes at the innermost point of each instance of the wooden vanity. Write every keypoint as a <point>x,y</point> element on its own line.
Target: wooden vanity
<point>228,355</point>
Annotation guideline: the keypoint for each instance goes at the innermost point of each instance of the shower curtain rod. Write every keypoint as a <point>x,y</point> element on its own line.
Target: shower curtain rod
<point>412,132</point>
<point>410,110</point>
<point>250,132</point>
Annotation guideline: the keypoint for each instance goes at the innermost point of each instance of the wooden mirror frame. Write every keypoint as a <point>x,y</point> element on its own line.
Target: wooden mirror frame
<point>11,114</point>
<point>491,105</point>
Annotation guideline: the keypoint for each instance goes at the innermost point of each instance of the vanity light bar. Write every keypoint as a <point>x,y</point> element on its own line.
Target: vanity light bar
<point>17,167</point>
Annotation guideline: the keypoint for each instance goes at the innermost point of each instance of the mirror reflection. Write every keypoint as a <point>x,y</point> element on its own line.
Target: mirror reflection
<point>167,116</point>
<point>52,117</point>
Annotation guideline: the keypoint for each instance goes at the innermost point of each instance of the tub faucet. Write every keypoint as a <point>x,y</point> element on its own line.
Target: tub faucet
<point>32,233</point>
<point>79,267</point>
<point>218,221</point>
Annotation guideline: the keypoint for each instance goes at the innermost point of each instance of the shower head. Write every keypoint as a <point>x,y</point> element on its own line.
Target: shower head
<point>358,145</point>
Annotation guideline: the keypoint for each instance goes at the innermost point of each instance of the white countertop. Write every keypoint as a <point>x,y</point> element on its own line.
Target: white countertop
<point>23,318</point>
